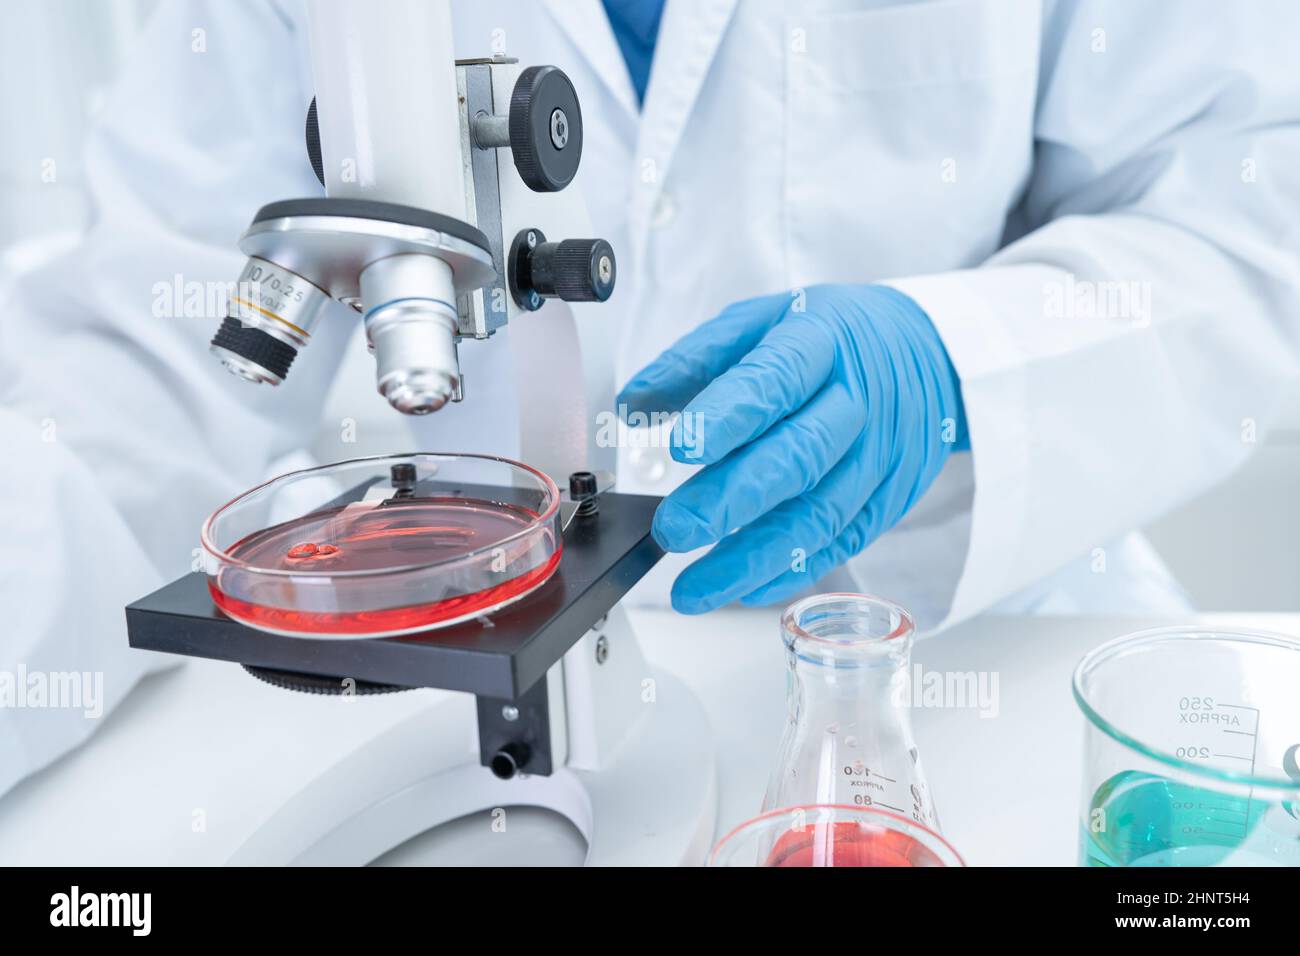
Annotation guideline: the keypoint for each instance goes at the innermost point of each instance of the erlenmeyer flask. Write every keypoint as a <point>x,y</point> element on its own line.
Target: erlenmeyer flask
<point>849,736</point>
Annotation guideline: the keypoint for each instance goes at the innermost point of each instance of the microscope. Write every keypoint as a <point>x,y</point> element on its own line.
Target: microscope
<point>445,217</point>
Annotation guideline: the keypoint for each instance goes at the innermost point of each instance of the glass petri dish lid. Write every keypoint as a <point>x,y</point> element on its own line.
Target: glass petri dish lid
<point>384,546</point>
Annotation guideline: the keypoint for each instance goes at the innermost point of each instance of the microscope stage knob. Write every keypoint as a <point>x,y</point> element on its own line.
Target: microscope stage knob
<point>582,270</point>
<point>575,270</point>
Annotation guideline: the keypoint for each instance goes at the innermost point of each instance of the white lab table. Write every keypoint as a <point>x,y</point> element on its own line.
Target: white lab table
<point>201,753</point>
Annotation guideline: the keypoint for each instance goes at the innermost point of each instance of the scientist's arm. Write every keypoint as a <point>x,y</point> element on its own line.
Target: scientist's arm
<point>133,431</point>
<point>1163,187</point>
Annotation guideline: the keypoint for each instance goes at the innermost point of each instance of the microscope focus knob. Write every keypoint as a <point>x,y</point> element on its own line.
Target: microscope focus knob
<point>545,129</point>
<point>575,270</point>
<point>580,270</point>
<point>311,133</point>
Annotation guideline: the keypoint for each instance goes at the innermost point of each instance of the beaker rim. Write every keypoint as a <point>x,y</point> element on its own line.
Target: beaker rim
<point>550,492</point>
<point>795,632</point>
<point>931,839</point>
<point>1102,654</point>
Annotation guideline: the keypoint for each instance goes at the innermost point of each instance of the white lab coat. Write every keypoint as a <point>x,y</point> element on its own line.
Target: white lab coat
<point>992,158</point>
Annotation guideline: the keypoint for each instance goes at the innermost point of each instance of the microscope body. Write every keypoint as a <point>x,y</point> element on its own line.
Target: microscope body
<point>442,180</point>
<point>438,175</point>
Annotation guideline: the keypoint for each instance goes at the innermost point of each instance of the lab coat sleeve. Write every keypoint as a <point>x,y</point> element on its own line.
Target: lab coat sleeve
<point>1126,352</point>
<point>68,565</point>
<point>140,432</point>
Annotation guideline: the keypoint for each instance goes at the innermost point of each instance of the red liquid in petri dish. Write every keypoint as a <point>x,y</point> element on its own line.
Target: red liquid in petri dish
<point>395,534</point>
<point>849,844</point>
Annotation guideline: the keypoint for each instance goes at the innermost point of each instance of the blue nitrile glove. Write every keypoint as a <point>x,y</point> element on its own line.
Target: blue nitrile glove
<point>821,416</point>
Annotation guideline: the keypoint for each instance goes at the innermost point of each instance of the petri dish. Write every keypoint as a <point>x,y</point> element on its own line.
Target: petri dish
<point>384,546</point>
<point>833,835</point>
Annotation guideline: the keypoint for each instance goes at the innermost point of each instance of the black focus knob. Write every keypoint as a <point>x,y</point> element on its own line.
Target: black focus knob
<point>582,270</point>
<point>545,129</point>
<point>311,132</point>
<point>575,270</point>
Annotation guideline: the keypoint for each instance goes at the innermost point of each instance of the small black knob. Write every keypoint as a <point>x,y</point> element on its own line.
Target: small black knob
<point>583,491</point>
<point>404,479</point>
<point>582,484</point>
<point>582,270</point>
<point>509,760</point>
<point>575,270</point>
<point>545,129</point>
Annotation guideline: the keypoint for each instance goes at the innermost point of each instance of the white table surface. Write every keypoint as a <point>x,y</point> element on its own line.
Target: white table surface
<point>207,740</point>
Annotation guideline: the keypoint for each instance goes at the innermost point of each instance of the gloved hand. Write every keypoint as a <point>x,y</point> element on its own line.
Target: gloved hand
<point>820,415</point>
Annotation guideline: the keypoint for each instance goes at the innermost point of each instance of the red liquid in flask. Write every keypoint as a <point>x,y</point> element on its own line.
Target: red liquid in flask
<point>849,844</point>
<point>389,536</point>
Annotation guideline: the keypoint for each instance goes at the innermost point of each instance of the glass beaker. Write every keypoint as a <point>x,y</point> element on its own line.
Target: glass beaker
<point>848,739</point>
<point>377,547</point>
<point>1190,749</point>
<point>833,836</point>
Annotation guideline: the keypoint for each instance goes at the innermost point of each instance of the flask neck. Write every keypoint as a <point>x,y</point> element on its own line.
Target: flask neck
<point>849,736</point>
<point>862,677</point>
<point>848,644</point>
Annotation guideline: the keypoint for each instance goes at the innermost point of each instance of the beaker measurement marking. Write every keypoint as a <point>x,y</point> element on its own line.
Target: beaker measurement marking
<point>888,806</point>
<point>1254,710</point>
<point>859,771</point>
<point>1233,757</point>
<point>1254,751</point>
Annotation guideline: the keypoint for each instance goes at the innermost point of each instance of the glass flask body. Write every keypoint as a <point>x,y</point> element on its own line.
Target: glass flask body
<point>848,738</point>
<point>832,836</point>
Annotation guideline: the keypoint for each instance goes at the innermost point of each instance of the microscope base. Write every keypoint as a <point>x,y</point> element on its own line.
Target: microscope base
<point>653,804</point>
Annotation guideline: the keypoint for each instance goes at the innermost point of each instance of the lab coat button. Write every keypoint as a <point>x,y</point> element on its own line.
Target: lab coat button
<point>664,212</point>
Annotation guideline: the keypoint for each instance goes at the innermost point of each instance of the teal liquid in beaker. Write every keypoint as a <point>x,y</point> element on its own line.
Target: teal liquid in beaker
<point>1143,819</point>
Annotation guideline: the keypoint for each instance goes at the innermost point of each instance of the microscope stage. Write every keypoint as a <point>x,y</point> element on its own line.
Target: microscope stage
<point>501,656</point>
